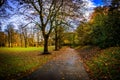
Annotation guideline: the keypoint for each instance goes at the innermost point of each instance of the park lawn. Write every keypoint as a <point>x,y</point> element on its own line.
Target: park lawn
<point>18,62</point>
<point>105,65</point>
<point>19,49</point>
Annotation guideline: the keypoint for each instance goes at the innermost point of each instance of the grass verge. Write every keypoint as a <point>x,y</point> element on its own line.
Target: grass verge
<point>18,62</point>
<point>104,64</point>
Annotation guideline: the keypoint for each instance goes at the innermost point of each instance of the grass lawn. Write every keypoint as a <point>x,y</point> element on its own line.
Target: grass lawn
<point>105,65</point>
<point>18,62</point>
<point>19,49</point>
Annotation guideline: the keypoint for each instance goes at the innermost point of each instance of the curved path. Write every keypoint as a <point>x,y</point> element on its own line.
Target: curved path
<point>66,66</point>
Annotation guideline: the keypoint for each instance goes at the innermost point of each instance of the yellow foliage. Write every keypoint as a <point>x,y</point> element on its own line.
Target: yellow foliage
<point>66,41</point>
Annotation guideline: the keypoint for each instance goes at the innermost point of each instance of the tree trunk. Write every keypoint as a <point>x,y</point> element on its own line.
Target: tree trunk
<point>56,41</point>
<point>8,43</point>
<point>59,43</point>
<point>21,44</point>
<point>46,37</point>
<point>25,43</point>
<point>37,44</point>
<point>9,40</point>
<point>56,44</point>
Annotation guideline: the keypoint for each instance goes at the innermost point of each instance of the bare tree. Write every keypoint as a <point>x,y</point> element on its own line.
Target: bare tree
<point>46,10</point>
<point>10,34</point>
<point>69,13</point>
<point>23,30</point>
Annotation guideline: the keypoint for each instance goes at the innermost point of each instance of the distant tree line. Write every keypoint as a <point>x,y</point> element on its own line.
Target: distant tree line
<point>25,36</point>
<point>52,18</point>
<point>22,37</point>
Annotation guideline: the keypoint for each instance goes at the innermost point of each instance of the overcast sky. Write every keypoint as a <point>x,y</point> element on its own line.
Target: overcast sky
<point>16,19</point>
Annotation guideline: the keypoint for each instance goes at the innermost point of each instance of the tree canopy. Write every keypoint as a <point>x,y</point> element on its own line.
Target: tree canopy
<point>103,28</point>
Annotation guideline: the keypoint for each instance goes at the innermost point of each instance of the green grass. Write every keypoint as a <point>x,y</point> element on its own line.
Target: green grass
<point>105,65</point>
<point>18,62</point>
<point>19,49</point>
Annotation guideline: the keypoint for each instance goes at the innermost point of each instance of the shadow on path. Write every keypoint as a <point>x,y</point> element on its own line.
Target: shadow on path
<point>67,66</point>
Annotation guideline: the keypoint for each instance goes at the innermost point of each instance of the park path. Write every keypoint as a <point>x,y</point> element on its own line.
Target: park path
<point>66,66</point>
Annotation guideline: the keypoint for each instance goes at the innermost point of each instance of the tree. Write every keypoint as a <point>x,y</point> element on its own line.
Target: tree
<point>31,36</point>
<point>106,32</point>
<point>84,33</point>
<point>59,33</point>
<point>99,32</point>
<point>68,14</point>
<point>25,35</point>
<point>23,30</point>
<point>10,34</point>
<point>3,39</point>
<point>94,32</point>
<point>114,23</point>
<point>103,26</point>
<point>1,2</point>
<point>59,28</point>
<point>46,11</point>
<point>38,37</point>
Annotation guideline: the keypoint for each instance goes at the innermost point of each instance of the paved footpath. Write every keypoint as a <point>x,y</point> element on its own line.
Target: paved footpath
<point>66,66</point>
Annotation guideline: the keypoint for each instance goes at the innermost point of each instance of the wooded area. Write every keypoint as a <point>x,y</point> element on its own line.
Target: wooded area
<point>47,24</point>
<point>102,28</point>
<point>70,30</point>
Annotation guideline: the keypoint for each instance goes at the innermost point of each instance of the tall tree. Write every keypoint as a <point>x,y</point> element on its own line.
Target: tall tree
<point>10,34</point>
<point>3,39</point>
<point>46,10</point>
<point>22,29</point>
<point>58,29</point>
<point>69,13</point>
<point>114,23</point>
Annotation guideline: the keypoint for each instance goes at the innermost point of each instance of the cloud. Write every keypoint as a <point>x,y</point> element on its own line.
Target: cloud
<point>90,5</point>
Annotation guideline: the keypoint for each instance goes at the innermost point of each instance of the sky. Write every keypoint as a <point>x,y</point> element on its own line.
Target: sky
<point>97,2</point>
<point>19,18</point>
